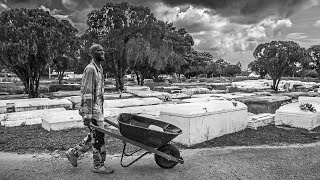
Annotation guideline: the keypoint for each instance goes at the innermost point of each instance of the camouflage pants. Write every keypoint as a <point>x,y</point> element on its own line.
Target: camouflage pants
<point>94,140</point>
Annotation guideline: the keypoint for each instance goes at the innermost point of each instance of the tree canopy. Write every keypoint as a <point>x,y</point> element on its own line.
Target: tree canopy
<point>113,26</point>
<point>29,40</point>
<point>314,54</point>
<point>277,57</point>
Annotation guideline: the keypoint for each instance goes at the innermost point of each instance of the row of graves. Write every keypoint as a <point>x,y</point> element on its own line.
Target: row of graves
<point>203,111</point>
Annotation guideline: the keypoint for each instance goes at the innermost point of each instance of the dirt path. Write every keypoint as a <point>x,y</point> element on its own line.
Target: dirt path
<point>291,162</point>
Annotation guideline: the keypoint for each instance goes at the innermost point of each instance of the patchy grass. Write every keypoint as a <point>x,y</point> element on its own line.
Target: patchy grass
<point>34,139</point>
<point>268,135</point>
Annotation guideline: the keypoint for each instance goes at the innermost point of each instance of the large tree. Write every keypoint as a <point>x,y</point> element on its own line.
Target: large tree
<point>182,56</point>
<point>67,51</point>
<point>200,64</point>
<point>277,56</point>
<point>314,54</point>
<point>161,47</point>
<point>148,52</point>
<point>29,40</point>
<point>113,26</point>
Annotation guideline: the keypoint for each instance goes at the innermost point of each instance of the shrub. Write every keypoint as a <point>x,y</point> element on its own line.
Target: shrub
<point>312,74</point>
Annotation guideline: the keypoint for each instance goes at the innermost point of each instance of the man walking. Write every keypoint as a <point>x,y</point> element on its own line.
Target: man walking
<point>91,110</point>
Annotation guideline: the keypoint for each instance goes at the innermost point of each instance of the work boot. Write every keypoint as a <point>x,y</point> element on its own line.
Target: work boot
<point>102,169</point>
<point>72,157</point>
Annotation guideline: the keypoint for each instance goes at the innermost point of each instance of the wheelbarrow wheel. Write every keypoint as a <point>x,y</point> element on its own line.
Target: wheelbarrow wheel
<point>170,150</point>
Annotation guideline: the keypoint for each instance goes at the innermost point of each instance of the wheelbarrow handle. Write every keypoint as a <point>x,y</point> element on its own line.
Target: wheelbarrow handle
<point>111,123</point>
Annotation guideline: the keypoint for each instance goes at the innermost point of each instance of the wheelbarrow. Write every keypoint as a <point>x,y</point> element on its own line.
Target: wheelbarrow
<point>148,134</point>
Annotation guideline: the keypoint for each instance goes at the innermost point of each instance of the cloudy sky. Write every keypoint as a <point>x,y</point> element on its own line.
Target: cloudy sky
<point>230,29</point>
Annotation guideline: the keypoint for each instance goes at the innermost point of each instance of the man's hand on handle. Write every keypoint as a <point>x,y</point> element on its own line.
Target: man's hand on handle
<point>86,121</point>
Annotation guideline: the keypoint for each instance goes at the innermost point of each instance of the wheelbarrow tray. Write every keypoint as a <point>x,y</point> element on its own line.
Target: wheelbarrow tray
<point>136,128</point>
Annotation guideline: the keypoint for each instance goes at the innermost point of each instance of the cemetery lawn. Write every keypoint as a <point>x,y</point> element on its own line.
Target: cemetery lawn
<point>34,139</point>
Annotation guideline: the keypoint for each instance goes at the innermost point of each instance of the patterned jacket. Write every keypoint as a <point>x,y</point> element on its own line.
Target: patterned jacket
<point>92,90</point>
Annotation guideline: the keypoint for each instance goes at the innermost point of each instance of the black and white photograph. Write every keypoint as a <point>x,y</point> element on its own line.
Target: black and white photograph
<point>160,89</point>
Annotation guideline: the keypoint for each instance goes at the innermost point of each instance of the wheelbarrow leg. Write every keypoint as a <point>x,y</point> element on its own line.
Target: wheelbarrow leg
<point>131,153</point>
<point>125,154</point>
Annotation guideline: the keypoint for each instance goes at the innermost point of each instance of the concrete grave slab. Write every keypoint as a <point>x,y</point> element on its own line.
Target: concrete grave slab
<point>232,95</point>
<point>76,100</point>
<point>180,84</point>
<point>203,99</point>
<point>264,104</point>
<point>131,102</point>
<point>130,89</point>
<point>167,88</point>
<point>179,96</point>
<point>11,103</point>
<point>144,94</point>
<point>25,99</point>
<point>26,117</point>
<point>36,104</point>
<point>260,120</point>
<point>195,91</point>
<point>62,120</point>
<point>253,84</point>
<point>219,86</point>
<point>66,93</point>
<point>152,110</point>
<point>307,99</point>
<point>292,115</point>
<point>294,95</point>
<point>204,121</point>
<point>117,96</point>
<point>202,95</point>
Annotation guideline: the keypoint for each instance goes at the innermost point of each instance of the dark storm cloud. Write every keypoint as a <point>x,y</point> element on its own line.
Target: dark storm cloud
<point>248,11</point>
<point>20,3</point>
<point>77,10</point>
<point>97,4</point>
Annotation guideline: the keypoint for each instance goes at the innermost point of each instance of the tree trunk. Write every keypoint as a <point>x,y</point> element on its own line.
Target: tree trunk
<point>31,88</point>
<point>142,78</point>
<point>120,80</point>
<point>156,77</point>
<point>120,73</point>
<point>60,76</point>
<point>277,85</point>
<point>274,82</point>
<point>138,76</point>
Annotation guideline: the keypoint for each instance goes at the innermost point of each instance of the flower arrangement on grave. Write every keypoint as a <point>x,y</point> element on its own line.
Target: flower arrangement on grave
<point>307,107</point>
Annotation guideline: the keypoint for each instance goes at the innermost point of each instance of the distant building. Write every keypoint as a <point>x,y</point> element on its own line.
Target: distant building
<point>253,74</point>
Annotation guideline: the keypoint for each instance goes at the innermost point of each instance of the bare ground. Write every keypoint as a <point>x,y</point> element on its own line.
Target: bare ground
<point>34,139</point>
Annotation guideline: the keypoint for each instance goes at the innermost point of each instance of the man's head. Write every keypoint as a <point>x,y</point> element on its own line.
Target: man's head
<point>97,52</point>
